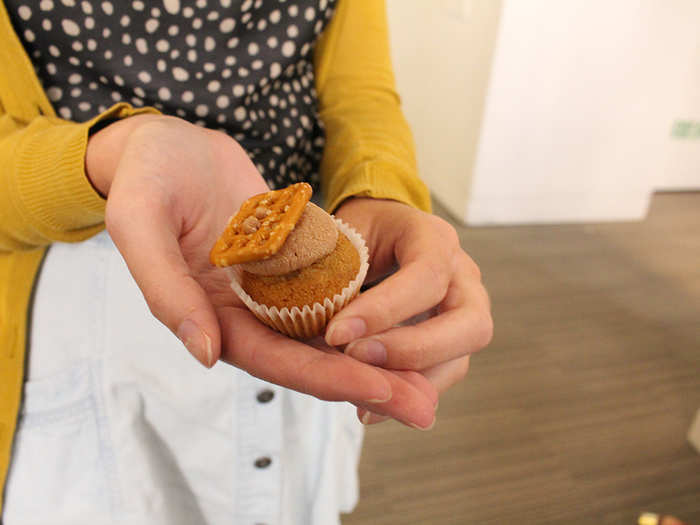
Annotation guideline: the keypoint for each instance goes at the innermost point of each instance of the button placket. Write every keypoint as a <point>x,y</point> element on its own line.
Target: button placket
<point>265,396</point>
<point>259,486</point>
<point>263,462</point>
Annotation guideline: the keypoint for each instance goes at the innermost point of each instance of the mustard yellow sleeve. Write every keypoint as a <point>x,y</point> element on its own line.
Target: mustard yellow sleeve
<point>45,194</point>
<point>369,147</point>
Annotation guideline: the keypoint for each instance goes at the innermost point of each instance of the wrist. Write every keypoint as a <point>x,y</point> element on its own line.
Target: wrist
<point>104,149</point>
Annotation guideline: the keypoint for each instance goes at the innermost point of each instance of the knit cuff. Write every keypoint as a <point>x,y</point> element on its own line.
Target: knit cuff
<point>53,188</point>
<point>378,180</point>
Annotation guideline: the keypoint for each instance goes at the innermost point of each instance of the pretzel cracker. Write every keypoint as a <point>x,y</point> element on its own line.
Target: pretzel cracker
<point>275,213</point>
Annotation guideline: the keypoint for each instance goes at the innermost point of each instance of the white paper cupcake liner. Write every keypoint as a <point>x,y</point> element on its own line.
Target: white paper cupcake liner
<point>309,321</point>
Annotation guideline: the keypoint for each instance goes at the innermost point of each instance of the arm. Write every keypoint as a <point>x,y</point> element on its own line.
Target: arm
<point>370,158</point>
<point>45,194</point>
<point>369,147</point>
<point>171,187</point>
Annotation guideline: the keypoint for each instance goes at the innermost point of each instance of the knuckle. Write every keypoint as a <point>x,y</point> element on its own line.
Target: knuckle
<point>437,276</point>
<point>160,300</point>
<point>468,267</point>
<point>382,312</point>
<point>448,249</point>
<point>473,268</point>
<point>455,372</point>
<point>306,379</point>
<point>446,233</point>
<point>462,368</point>
<point>483,332</point>
<point>157,306</point>
<point>417,357</point>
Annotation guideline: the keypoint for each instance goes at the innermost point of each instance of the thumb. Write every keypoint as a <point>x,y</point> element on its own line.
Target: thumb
<point>148,242</point>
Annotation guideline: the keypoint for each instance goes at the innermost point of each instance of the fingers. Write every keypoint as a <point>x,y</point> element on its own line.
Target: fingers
<point>145,237</point>
<point>435,275</point>
<point>370,418</point>
<point>270,356</point>
<point>448,374</point>
<point>405,385</point>
<point>463,326</point>
<point>426,253</point>
<point>328,375</point>
<point>390,302</point>
<point>442,338</point>
<point>439,378</point>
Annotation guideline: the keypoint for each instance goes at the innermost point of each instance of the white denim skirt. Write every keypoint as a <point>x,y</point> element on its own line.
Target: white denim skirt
<point>119,424</point>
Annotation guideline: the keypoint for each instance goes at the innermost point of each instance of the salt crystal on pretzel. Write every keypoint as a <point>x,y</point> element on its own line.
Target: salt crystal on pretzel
<point>277,213</point>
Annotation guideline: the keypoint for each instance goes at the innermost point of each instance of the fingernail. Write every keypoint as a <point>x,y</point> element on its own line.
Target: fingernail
<point>196,341</point>
<point>369,351</point>
<point>425,429</point>
<point>344,331</point>
<point>382,393</point>
<point>384,399</point>
<point>370,418</point>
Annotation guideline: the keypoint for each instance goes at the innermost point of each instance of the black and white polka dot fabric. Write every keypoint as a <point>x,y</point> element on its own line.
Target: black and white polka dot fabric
<point>242,66</point>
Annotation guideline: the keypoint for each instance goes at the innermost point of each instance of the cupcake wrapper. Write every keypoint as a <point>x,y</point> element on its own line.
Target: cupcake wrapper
<point>309,321</point>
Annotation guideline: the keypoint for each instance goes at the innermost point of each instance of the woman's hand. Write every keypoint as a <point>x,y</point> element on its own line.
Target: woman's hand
<point>436,279</point>
<point>171,187</point>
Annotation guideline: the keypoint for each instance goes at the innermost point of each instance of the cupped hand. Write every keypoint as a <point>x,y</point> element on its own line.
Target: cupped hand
<point>171,187</point>
<point>427,317</point>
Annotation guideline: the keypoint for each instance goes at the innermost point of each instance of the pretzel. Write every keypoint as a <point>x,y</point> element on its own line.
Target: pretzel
<point>261,226</point>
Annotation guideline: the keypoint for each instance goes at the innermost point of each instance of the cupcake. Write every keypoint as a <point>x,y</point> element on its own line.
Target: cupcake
<point>291,263</point>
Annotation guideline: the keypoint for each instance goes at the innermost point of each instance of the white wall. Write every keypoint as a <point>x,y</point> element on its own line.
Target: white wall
<point>442,53</point>
<point>678,62</point>
<point>571,117</point>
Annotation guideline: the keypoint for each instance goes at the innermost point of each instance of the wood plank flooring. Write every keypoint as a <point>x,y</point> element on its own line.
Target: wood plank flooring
<point>578,411</point>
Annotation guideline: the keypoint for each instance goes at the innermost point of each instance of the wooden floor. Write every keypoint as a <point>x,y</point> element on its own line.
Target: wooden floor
<point>578,411</point>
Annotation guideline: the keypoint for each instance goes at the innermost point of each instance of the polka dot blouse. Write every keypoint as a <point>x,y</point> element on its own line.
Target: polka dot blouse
<point>242,66</point>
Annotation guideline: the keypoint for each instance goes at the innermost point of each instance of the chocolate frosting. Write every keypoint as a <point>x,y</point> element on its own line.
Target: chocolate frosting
<point>314,236</point>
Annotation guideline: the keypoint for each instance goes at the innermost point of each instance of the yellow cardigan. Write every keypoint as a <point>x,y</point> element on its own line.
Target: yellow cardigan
<point>46,197</point>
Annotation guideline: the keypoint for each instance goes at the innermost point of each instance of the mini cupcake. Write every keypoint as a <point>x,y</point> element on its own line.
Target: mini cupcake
<point>291,263</point>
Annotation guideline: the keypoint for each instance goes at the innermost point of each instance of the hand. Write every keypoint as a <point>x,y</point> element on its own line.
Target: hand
<point>170,188</point>
<point>435,275</point>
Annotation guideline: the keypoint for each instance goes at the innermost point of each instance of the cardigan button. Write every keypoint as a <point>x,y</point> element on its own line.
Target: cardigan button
<point>265,396</point>
<point>263,462</point>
